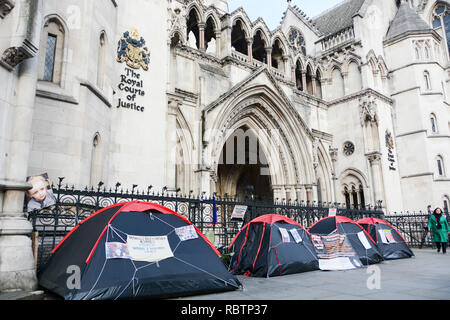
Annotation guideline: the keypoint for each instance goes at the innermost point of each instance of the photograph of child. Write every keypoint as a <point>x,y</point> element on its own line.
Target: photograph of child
<point>41,195</point>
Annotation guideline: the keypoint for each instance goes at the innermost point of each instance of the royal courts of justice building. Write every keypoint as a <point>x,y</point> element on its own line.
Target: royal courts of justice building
<point>351,106</point>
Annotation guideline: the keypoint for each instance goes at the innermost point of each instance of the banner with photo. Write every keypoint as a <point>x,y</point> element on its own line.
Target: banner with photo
<point>40,196</point>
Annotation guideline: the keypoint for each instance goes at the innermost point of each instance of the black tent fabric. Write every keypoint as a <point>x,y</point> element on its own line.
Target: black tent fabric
<point>272,245</point>
<point>135,250</point>
<point>361,242</point>
<point>390,242</point>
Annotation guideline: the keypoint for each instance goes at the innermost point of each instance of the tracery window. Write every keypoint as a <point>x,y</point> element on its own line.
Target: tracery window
<point>441,17</point>
<point>297,40</point>
<point>349,148</point>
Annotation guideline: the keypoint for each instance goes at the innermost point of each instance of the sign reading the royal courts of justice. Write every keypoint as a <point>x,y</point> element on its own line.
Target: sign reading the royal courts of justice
<point>133,52</point>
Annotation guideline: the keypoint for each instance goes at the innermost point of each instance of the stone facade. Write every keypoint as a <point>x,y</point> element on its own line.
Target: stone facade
<point>348,107</point>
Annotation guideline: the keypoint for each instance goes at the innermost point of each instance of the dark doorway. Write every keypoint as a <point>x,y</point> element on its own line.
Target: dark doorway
<point>243,171</point>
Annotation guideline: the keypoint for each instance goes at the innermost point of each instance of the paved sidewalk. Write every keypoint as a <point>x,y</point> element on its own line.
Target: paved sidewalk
<point>425,276</point>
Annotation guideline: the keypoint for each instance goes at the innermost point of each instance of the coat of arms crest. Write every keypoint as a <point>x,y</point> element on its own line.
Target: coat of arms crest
<point>132,50</point>
<point>389,140</point>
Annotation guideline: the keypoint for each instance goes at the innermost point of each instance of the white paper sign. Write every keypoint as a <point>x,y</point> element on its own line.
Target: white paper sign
<point>116,250</point>
<point>239,212</point>
<point>365,242</point>
<point>389,236</point>
<point>341,263</point>
<point>332,212</point>
<point>149,249</point>
<point>382,236</point>
<point>285,235</point>
<point>186,233</point>
<point>295,235</point>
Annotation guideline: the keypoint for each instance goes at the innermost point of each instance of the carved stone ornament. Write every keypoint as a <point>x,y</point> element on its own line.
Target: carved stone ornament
<point>368,110</point>
<point>5,7</point>
<point>16,55</point>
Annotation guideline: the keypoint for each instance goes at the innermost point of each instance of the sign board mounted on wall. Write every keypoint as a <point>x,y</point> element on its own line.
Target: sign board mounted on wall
<point>132,51</point>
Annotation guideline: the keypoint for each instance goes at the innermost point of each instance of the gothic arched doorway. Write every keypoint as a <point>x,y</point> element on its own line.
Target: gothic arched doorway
<point>243,170</point>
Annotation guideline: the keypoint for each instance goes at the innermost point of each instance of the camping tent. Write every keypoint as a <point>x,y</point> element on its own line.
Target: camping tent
<point>354,242</point>
<point>135,250</point>
<point>272,245</point>
<point>389,241</point>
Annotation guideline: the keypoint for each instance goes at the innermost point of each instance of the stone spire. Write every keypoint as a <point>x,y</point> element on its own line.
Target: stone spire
<point>406,21</point>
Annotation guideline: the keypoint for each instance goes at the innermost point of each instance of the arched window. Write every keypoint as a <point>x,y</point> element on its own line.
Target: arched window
<point>52,51</point>
<point>101,60</point>
<point>210,36</point>
<point>239,38</point>
<point>446,204</point>
<point>259,47</point>
<point>433,121</point>
<point>297,41</point>
<point>441,18</point>
<point>426,76</point>
<point>417,53</point>
<point>347,198</point>
<point>440,166</point>
<point>277,55</point>
<point>298,75</point>
<point>193,31</point>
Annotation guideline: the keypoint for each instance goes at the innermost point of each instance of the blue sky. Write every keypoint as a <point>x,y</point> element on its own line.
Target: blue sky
<point>272,10</point>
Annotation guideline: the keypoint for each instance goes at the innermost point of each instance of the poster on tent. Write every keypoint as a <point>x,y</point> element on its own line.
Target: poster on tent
<point>284,235</point>
<point>186,233</point>
<point>149,249</point>
<point>337,253</point>
<point>116,250</point>
<point>296,235</point>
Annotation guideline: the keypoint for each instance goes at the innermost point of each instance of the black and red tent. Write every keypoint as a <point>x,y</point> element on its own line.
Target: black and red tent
<point>390,242</point>
<point>360,241</point>
<point>135,250</point>
<point>272,245</point>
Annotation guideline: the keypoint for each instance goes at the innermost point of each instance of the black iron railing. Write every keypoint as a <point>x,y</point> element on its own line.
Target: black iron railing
<point>50,225</point>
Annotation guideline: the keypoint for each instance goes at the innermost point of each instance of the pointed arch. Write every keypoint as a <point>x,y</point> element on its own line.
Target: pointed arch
<point>184,164</point>
<point>54,40</point>
<point>264,111</point>
<point>324,173</point>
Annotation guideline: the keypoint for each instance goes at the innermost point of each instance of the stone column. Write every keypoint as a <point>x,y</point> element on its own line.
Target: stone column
<point>218,44</point>
<point>377,179</point>
<point>172,109</point>
<point>314,87</point>
<point>309,194</point>
<point>249,48</point>
<point>16,257</point>
<point>305,87</point>
<point>333,155</point>
<point>286,66</point>
<point>345,79</point>
<point>293,76</point>
<point>201,30</point>
<point>225,39</point>
<point>269,57</point>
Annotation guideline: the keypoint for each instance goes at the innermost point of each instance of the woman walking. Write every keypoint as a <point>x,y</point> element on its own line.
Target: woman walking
<point>439,229</point>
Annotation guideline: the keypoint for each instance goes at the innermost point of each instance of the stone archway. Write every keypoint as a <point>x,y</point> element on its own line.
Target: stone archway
<point>282,135</point>
<point>243,170</point>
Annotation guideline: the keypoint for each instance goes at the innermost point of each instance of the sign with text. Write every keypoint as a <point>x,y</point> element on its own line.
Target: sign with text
<point>239,212</point>
<point>132,51</point>
<point>149,249</point>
